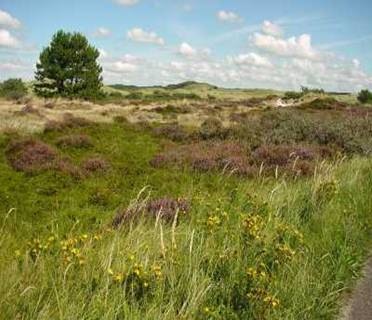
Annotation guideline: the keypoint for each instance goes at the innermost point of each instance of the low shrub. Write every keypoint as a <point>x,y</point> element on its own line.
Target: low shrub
<point>212,128</point>
<point>297,159</point>
<point>164,208</point>
<point>189,96</point>
<point>134,96</point>
<point>120,119</point>
<point>238,117</point>
<point>174,132</point>
<point>235,158</point>
<point>280,155</point>
<point>167,208</point>
<point>33,156</point>
<point>100,196</point>
<point>75,141</point>
<point>323,104</point>
<point>29,155</point>
<point>96,164</point>
<point>171,109</point>
<point>293,95</point>
<point>65,166</point>
<point>348,130</point>
<point>206,156</point>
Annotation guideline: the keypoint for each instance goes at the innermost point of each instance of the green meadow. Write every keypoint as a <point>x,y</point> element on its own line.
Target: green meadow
<point>91,229</point>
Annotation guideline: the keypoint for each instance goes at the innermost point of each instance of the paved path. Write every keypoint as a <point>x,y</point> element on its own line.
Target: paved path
<point>360,307</point>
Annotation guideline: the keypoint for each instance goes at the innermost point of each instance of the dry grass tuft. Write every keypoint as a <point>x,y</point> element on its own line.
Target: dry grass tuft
<point>69,121</point>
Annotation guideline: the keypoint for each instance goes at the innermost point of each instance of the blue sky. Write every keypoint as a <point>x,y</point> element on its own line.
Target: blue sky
<point>236,43</point>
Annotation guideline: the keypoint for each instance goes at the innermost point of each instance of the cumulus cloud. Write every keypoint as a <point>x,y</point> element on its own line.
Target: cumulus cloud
<point>228,16</point>
<point>6,20</point>
<point>187,51</point>
<point>127,2</point>
<point>140,35</point>
<point>253,59</point>
<point>271,29</point>
<point>127,64</point>
<point>274,62</point>
<point>120,66</point>
<point>7,40</point>
<point>356,63</point>
<point>16,68</point>
<point>293,47</point>
<point>12,66</point>
<point>244,70</point>
<point>102,32</point>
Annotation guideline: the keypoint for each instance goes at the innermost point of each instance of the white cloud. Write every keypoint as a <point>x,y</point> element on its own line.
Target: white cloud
<point>7,40</point>
<point>245,70</point>
<point>120,66</point>
<point>127,2</point>
<point>356,63</point>
<point>228,16</point>
<point>102,32</point>
<point>253,59</point>
<point>271,29</point>
<point>139,35</point>
<point>7,20</point>
<point>16,68</point>
<point>293,47</point>
<point>12,66</point>
<point>127,64</point>
<point>177,65</point>
<point>129,58</point>
<point>187,51</point>
<point>277,62</point>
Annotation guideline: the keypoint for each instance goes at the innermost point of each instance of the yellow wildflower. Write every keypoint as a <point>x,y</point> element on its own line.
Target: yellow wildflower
<point>119,277</point>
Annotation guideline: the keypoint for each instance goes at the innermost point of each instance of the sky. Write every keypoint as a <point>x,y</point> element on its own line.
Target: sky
<point>230,43</point>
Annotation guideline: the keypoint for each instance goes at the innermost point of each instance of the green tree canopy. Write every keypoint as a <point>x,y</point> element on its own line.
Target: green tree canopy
<point>365,96</point>
<point>68,67</point>
<point>13,89</point>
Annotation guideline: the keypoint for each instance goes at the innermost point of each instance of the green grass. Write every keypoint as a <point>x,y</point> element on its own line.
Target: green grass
<point>246,244</point>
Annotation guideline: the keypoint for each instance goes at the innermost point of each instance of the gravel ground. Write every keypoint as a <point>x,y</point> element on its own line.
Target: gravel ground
<point>360,307</point>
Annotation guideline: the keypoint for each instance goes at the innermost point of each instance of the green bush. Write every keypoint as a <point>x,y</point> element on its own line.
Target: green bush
<point>13,89</point>
<point>365,96</point>
<point>134,96</point>
<point>293,95</point>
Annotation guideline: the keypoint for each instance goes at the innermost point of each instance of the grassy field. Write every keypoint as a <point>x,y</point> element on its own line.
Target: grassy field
<point>151,220</point>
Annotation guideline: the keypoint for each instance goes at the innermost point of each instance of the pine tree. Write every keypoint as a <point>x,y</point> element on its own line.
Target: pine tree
<point>68,67</point>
